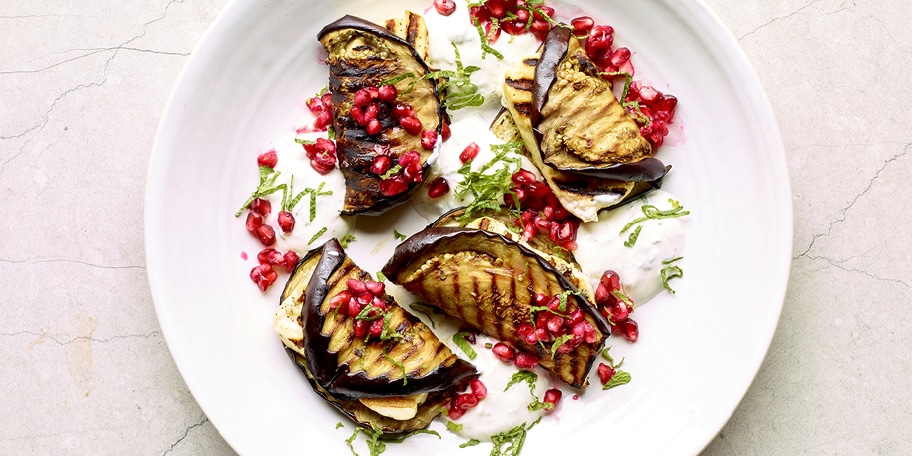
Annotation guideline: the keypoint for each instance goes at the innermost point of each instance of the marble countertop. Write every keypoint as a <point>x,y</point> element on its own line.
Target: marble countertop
<point>82,88</point>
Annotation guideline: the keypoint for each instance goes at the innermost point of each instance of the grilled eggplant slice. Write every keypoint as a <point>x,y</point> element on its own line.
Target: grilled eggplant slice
<point>490,282</point>
<point>412,29</point>
<point>582,195</point>
<point>362,54</point>
<point>579,124</point>
<point>499,222</point>
<point>397,381</point>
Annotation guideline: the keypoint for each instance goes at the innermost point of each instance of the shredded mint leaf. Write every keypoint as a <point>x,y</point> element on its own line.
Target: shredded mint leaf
<point>558,342</point>
<point>339,424</point>
<point>347,239</point>
<point>485,42</point>
<point>381,277</point>
<point>453,426</point>
<point>651,212</point>
<point>470,443</point>
<point>523,376</point>
<point>317,235</point>
<point>671,271</point>
<point>460,340</point>
<point>399,236</point>
<point>620,378</point>
<point>392,171</point>
<point>266,187</point>
<point>632,239</point>
<point>510,443</point>
<point>488,185</point>
<point>399,365</point>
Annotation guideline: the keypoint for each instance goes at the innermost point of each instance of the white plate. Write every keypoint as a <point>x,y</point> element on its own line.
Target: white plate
<point>698,352</point>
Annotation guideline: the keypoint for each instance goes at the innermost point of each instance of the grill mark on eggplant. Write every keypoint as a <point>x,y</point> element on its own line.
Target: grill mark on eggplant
<point>524,108</point>
<point>520,84</point>
<point>414,27</point>
<point>530,62</point>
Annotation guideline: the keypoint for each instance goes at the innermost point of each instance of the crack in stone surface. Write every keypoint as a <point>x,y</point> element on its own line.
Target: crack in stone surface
<point>842,214</point>
<point>64,260</point>
<point>41,124</point>
<point>838,265</point>
<point>64,342</point>
<point>778,18</point>
<point>186,433</point>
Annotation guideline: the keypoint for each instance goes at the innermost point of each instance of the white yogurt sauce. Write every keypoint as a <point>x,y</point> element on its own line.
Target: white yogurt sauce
<point>601,247</point>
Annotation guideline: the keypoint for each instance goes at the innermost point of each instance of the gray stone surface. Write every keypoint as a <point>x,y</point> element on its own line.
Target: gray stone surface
<point>84,368</point>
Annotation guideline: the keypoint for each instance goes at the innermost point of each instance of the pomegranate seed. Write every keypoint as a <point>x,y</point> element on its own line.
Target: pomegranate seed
<point>479,390</point>
<point>261,206</point>
<point>455,413</point>
<point>539,27</point>
<point>438,187</point>
<point>354,308</point>
<point>542,300</point>
<point>323,120</point>
<point>619,311</point>
<point>389,92</point>
<point>575,317</point>
<point>263,276</point>
<point>620,56</point>
<point>522,15</point>
<point>373,127</point>
<point>254,221</point>
<point>408,158</point>
<point>268,159</point>
<point>381,164</point>
<point>315,104</point>
<point>263,256</point>
<point>428,139</point>
<point>555,323</point>
<point>375,288</point>
<point>411,124</point>
<point>401,110</point>
<point>605,373</point>
<point>286,221</point>
<point>362,98</point>
<point>525,361</point>
<point>266,235</point>
<point>393,186</point>
<point>611,280</point>
<point>552,396</point>
<point>496,8</point>
<point>358,115</point>
<point>445,7</point>
<point>469,153</point>
<point>582,25</point>
<point>445,132</point>
<point>376,328</point>
<point>479,12</point>
<point>503,351</point>
<point>526,332</point>
<point>630,329</point>
<point>360,328</point>
<point>291,259</point>
<point>523,177</point>
<point>514,27</point>
<point>466,401</point>
<point>413,172</point>
<point>323,163</point>
<point>341,298</point>
<point>273,257</point>
<point>356,286</point>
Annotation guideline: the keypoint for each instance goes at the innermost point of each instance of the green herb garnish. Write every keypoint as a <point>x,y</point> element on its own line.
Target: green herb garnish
<point>620,377</point>
<point>487,188</point>
<point>530,378</point>
<point>470,443</point>
<point>317,235</point>
<point>651,212</point>
<point>510,443</point>
<point>266,187</point>
<point>347,239</point>
<point>399,236</point>
<point>485,41</point>
<point>671,271</point>
<point>453,426</point>
<point>558,342</point>
<point>460,340</point>
<point>632,239</point>
<point>376,441</point>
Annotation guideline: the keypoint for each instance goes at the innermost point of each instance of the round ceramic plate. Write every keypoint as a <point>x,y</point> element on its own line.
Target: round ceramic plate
<point>699,350</point>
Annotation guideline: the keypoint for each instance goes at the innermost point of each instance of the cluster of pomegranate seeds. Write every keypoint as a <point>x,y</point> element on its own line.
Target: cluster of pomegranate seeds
<point>256,225</point>
<point>616,310</point>
<point>321,106</point>
<point>551,324</point>
<point>468,400</point>
<point>264,274</point>
<point>541,211</point>
<point>515,17</point>
<point>362,298</point>
<point>506,353</point>
<point>322,155</point>
<point>410,171</point>
<point>651,109</point>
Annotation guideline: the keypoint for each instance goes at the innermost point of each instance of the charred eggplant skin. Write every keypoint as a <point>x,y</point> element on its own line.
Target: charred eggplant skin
<point>554,50</point>
<point>336,379</point>
<point>355,147</point>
